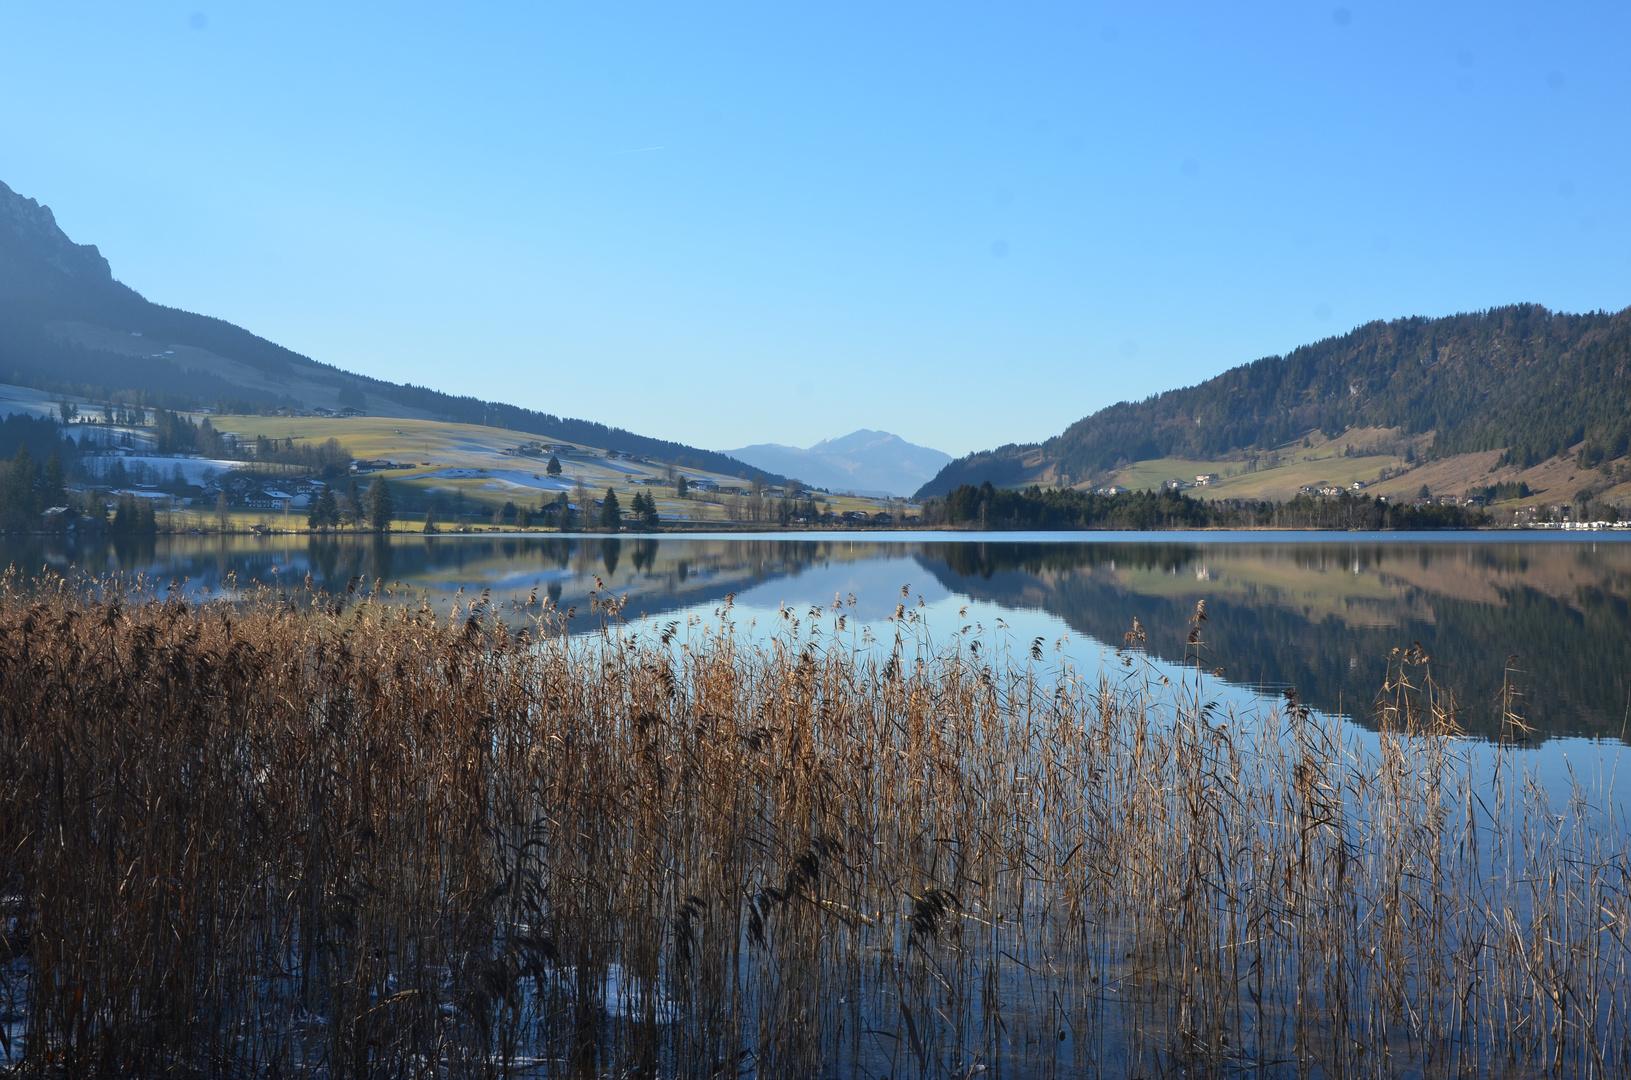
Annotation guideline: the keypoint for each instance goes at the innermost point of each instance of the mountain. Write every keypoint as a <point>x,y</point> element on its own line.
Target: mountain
<point>865,462</point>
<point>1523,380</point>
<point>67,326</point>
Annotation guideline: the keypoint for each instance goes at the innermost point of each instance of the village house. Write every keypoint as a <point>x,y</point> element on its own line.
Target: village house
<point>268,499</point>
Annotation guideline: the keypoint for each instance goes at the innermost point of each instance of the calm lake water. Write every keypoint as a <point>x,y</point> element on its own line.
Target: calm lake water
<point>1316,611</point>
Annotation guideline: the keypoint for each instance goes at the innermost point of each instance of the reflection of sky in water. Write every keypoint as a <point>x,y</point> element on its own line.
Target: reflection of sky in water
<point>1556,766</point>
<point>1318,611</point>
<point>1004,630</point>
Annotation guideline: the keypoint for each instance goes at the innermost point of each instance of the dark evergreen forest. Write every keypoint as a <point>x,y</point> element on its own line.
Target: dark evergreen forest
<point>1520,378</point>
<point>1042,509</point>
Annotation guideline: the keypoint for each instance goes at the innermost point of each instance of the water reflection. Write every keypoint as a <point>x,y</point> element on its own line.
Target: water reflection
<point>1318,613</point>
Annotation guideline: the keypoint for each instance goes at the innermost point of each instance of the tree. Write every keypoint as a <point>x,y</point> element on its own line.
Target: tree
<point>681,487</point>
<point>325,512</point>
<point>430,523</point>
<point>353,503</point>
<point>24,479</point>
<point>379,505</point>
<point>124,516</point>
<point>223,512</point>
<point>584,506</point>
<point>644,508</point>
<point>54,484</point>
<point>611,512</point>
<point>554,466</point>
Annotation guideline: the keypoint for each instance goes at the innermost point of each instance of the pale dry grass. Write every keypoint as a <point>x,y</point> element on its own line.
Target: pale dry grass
<point>341,836</point>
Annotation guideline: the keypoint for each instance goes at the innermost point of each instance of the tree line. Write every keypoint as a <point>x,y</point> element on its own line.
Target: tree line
<point>373,510</point>
<point>1042,509</point>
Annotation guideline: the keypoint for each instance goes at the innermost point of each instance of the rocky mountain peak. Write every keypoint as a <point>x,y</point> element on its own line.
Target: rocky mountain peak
<point>28,228</point>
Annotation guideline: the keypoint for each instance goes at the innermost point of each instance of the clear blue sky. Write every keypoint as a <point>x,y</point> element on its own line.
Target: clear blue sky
<point>968,224</point>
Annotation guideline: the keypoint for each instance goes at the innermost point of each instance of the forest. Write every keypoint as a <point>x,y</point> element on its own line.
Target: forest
<point>989,507</point>
<point>1521,379</point>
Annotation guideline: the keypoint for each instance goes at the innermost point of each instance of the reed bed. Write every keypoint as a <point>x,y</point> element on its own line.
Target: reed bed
<point>343,836</point>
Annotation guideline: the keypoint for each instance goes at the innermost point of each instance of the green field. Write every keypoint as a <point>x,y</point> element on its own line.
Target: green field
<point>467,465</point>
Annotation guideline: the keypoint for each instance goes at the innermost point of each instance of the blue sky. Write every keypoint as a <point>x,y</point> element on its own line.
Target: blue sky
<point>967,224</point>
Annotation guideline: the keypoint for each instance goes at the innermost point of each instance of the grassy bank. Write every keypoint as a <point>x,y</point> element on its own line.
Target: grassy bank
<point>339,836</point>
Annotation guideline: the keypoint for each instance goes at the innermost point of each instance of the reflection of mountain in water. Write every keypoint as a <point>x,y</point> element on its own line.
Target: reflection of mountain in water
<point>1319,616</point>
<point>655,576</point>
<point>1324,618</point>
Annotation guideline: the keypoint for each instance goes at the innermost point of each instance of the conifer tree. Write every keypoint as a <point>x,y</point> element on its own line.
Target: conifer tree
<point>379,505</point>
<point>54,484</point>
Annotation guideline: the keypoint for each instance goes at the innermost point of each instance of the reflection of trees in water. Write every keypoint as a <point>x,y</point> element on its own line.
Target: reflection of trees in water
<point>1575,650</point>
<point>336,563</point>
<point>987,559</point>
<point>644,556</point>
<point>134,550</point>
<point>382,553</point>
<point>661,574</point>
<point>1575,658</point>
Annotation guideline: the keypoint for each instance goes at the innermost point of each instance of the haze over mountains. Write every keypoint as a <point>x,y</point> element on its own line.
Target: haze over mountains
<point>67,326</point>
<point>865,462</point>
<point>1521,380</point>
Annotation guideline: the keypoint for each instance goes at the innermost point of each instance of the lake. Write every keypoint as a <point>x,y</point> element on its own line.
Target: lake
<point>1319,612</point>
<point>950,858</point>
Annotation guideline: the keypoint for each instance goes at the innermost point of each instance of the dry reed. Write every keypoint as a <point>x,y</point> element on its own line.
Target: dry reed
<point>345,837</point>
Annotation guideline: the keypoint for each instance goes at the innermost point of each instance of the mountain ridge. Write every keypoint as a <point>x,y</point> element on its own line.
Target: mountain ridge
<point>67,325</point>
<point>865,461</point>
<point>1520,379</point>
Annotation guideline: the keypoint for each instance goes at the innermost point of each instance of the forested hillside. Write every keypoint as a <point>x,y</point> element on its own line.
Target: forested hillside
<point>1519,378</point>
<point>67,326</point>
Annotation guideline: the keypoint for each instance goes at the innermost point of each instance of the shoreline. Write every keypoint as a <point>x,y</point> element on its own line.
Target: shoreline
<point>745,528</point>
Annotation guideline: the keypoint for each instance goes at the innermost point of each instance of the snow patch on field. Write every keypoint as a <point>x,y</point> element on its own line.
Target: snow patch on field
<point>163,468</point>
